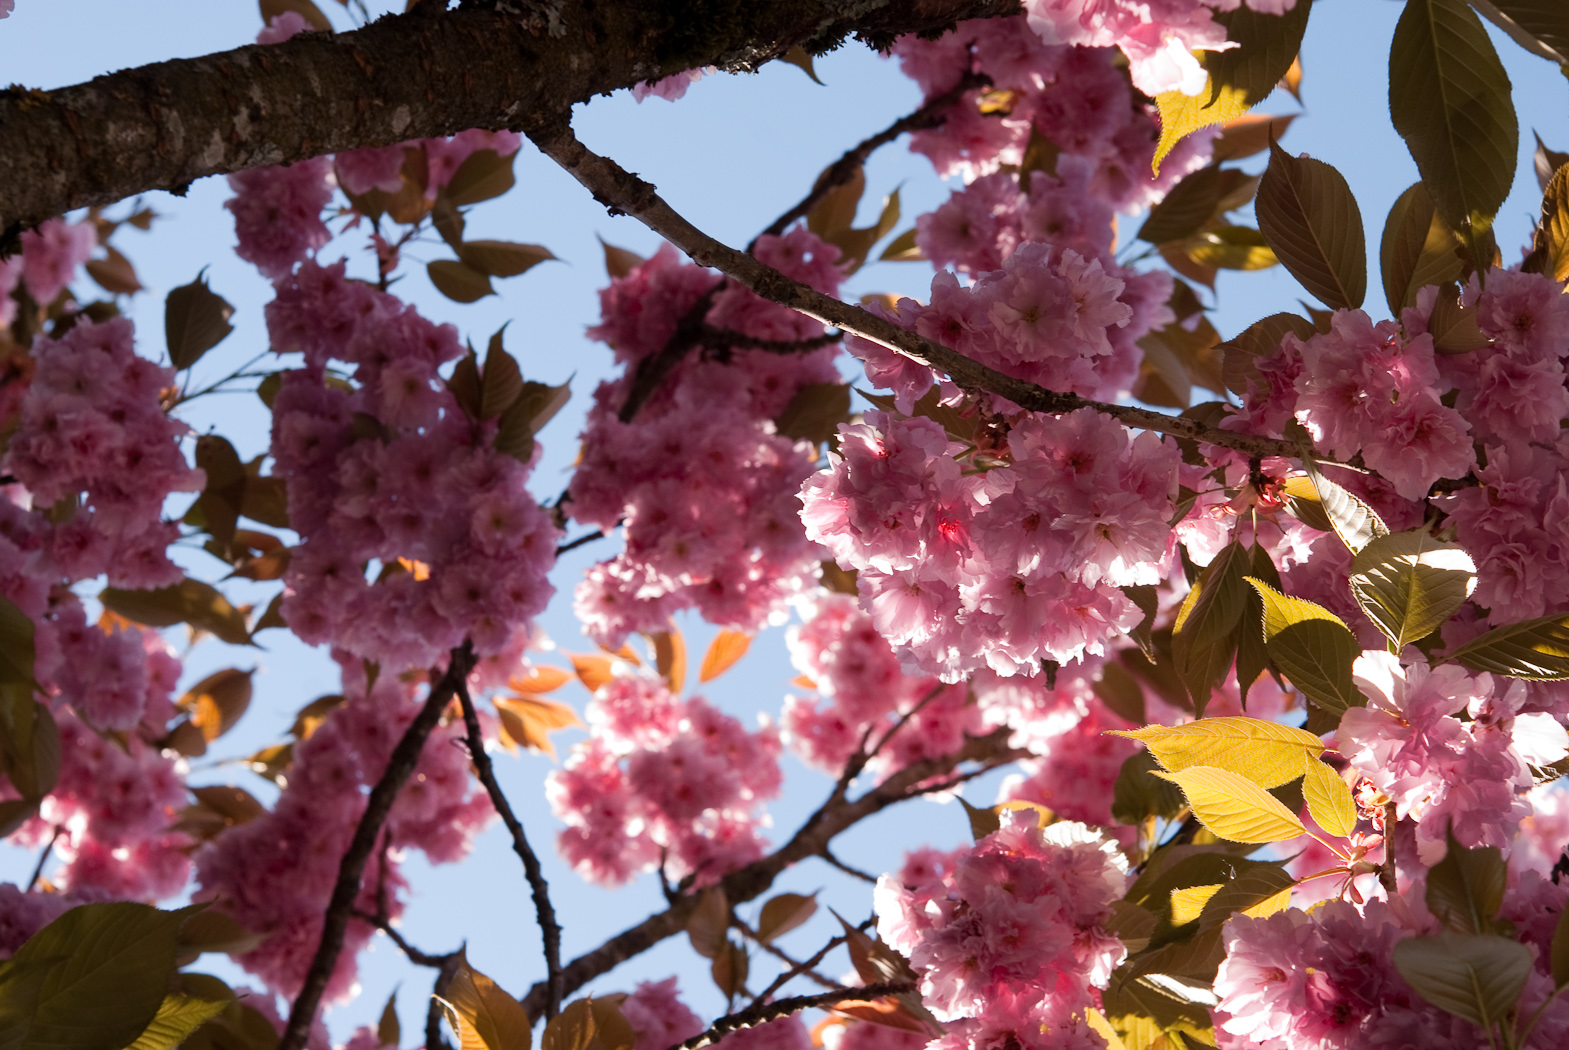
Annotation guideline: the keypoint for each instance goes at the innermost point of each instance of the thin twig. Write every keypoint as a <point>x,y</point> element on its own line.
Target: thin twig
<point>728,339</point>
<point>779,953</point>
<point>549,928</point>
<point>624,192</point>
<point>651,371</point>
<point>433,1037</point>
<point>826,854</point>
<point>762,1013</point>
<point>405,756</point>
<point>1386,870</point>
<point>932,113</point>
<point>597,534</point>
<point>43,858</point>
<point>905,718</point>
<point>417,957</point>
<point>821,954</point>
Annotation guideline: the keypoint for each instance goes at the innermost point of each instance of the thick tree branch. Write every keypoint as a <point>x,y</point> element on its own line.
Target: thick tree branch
<point>405,756</point>
<point>402,77</point>
<point>549,928</point>
<point>623,192</point>
<point>834,816</point>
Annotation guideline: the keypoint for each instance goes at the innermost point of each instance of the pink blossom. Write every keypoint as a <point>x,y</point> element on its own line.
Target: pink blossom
<point>51,254</point>
<point>277,213</point>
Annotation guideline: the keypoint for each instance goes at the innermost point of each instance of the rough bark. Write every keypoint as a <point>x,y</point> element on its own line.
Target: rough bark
<point>401,77</point>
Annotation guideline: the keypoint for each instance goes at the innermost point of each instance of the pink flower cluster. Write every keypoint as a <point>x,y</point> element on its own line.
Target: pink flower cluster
<point>663,782</point>
<point>362,170</point>
<point>1009,938</point>
<point>277,214</point>
<point>1076,98</point>
<point>1440,771</point>
<point>275,873</point>
<point>91,427</point>
<point>391,468</point>
<point>862,688</point>
<point>703,483</point>
<point>1002,568</point>
<point>50,257</point>
<point>1049,316</point>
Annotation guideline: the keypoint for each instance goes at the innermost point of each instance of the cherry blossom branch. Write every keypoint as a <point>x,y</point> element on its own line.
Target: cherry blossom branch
<point>433,1036</point>
<point>625,193</point>
<point>43,858</point>
<point>1386,870</point>
<point>549,928</point>
<point>822,953</point>
<point>725,339</point>
<point>572,545</point>
<point>834,816</point>
<point>828,856</point>
<point>415,956</point>
<point>762,1013</point>
<point>405,756</point>
<point>931,114</point>
<point>424,75</point>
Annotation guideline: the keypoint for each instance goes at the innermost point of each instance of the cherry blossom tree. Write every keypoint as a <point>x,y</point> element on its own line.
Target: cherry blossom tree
<point>1274,671</point>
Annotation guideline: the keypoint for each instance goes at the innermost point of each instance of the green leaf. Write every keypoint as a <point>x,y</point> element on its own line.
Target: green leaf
<point>178,1016</point>
<point>1417,249</point>
<point>1537,650</point>
<point>1356,523</point>
<point>1449,99</point>
<point>1231,248</point>
<point>458,281</point>
<point>1466,888</point>
<point>1329,800</point>
<point>502,258</point>
<point>1311,221</point>
<point>1252,650</point>
<point>189,601</point>
<point>1192,203</point>
<point>1258,890</point>
<point>484,174</point>
<point>1233,807</point>
<point>535,406</point>
<point>1539,26</point>
<point>1454,326</point>
<point>1138,794</point>
<point>1475,976</point>
<point>195,319</point>
<point>1267,753</point>
<point>224,493</point>
<point>903,249</point>
<point>502,381</point>
<point>1312,647</point>
<point>1409,583</point>
<point>16,644</point>
<point>107,969</point>
<point>1558,954</point>
<point>1204,636</point>
<point>815,412</point>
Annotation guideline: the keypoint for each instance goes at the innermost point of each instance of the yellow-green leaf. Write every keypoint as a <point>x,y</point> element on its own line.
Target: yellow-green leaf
<point>1310,219</point>
<point>1267,753</point>
<point>1558,954</point>
<point>1329,800</point>
<point>1449,99</point>
<point>1311,646</point>
<point>1233,807</point>
<point>178,1016</point>
<point>1532,649</point>
<point>1187,903</point>
<point>1475,976</point>
<point>726,648</point>
<point>1409,583</point>
<point>1193,203</point>
<point>1181,115</point>
<point>1552,232</point>
<point>1204,635</point>
<point>1231,248</point>
<point>1417,249</point>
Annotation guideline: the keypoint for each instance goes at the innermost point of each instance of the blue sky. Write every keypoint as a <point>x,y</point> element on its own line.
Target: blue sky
<point>730,156</point>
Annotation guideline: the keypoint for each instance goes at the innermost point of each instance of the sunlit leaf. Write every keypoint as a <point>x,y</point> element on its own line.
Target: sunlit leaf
<point>1552,231</point>
<point>484,1016</point>
<point>190,601</point>
<point>1233,807</point>
<point>726,648</point>
<point>1312,647</point>
<point>1329,800</point>
<point>1137,794</point>
<point>1409,583</point>
<point>1267,753</point>
<point>178,1016</point>
<point>592,670</point>
<point>528,720</point>
<point>670,658</point>
<point>540,679</point>
<point>218,701</point>
<point>1417,249</point>
<point>1188,902</point>
<point>1356,523</point>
